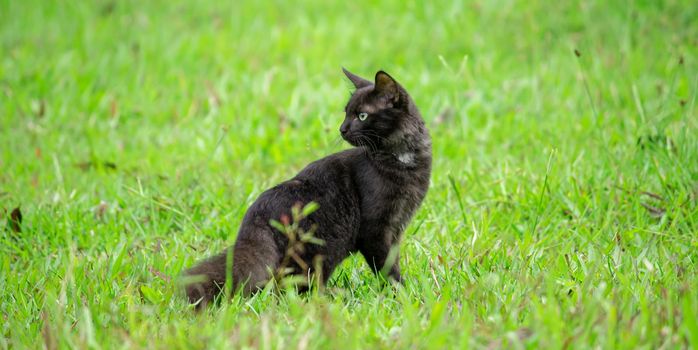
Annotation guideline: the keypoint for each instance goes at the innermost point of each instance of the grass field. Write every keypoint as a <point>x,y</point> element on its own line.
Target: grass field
<point>563,211</point>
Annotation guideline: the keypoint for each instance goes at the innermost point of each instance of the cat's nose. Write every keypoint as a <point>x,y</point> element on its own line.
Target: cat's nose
<point>344,128</point>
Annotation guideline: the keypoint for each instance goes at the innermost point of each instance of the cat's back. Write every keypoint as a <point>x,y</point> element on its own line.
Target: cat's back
<point>326,181</point>
<point>336,165</point>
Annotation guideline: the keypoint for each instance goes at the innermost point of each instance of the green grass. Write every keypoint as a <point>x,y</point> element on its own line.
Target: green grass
<point>563,211</point>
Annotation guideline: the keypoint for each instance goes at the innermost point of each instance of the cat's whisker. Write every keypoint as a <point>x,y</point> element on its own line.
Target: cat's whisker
<point>367,135</point>
<point>364,142</point>
<point>374,134</point>
<point>371,144</point>
<point>365,145</point>
<point>336,141</point>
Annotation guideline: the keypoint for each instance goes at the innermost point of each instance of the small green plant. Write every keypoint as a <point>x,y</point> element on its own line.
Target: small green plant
<point>298,238</point>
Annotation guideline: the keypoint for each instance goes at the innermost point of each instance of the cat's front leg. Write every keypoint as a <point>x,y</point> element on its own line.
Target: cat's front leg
<point>383,258</point>
<point>394,272</point>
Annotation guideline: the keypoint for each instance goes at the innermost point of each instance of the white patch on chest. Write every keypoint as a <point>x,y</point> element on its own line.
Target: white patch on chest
<point>407,158</point>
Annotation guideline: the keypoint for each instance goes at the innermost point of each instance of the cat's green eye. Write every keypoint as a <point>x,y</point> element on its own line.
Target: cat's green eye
<point>363,116</point>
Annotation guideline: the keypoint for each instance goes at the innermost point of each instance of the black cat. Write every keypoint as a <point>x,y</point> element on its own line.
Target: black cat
<point>366,195</point>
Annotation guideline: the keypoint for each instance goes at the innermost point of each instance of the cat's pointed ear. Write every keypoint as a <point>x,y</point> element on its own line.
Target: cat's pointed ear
<point>387,86</point>
<point>358,81</point>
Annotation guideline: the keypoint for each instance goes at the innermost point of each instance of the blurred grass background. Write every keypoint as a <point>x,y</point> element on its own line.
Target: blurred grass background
<point>562,213</point>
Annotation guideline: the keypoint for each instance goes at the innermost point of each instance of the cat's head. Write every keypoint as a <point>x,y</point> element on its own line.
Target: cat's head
<point>379,114</point>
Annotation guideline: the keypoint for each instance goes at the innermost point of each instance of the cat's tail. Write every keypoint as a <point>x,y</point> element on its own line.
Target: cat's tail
<point>205,281</point>
<point>249,263</point>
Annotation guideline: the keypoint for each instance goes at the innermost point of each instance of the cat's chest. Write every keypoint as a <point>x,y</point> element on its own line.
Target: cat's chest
<point>389,203</point>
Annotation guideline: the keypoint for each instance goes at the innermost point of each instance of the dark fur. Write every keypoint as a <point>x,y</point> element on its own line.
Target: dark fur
<point>366,195</point>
